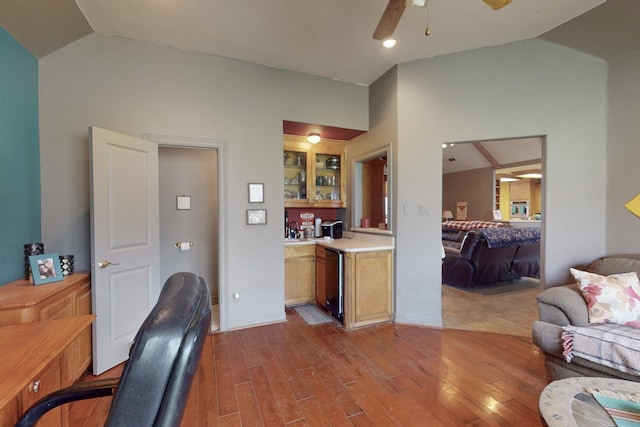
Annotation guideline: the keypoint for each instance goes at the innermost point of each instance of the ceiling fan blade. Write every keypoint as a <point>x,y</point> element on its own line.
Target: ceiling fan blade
<point>389,20</point>
<point>497,4</point>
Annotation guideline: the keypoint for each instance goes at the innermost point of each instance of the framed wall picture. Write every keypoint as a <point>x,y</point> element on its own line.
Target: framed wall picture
<point>256,193</point>
<point>256,216</point>
<point>183,203</point>
<point>45,268</point>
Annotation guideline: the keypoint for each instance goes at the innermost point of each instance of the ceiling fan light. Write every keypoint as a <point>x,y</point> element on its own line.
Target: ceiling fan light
<point>313,138</point>
<point>389,43</point>
<point>421,3</point>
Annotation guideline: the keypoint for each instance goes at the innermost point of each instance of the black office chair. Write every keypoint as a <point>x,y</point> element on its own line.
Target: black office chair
<point>156,380</point>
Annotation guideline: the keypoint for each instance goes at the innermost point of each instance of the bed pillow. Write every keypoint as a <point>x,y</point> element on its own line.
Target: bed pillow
<point>611,299</point>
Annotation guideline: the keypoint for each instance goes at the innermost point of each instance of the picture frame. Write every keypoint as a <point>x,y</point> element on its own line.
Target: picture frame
<point>183,203</point>
<point>45,268</point>
<point>256,192</point>
<point>256,216</point>
<point>497,214</point>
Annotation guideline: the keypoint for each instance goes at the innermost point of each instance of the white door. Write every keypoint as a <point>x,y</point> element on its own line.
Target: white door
<point>125,260</point>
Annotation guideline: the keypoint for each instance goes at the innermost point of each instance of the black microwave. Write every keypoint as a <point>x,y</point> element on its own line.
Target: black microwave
<point>332,229</point>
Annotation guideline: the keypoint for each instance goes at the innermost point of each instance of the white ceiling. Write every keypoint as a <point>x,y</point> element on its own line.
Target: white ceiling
<point>330,38</point>
<point>333,38</point>
<point>505,155</point>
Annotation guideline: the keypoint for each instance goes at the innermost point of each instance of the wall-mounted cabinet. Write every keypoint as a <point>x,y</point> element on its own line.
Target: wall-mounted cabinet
<point>314,174</point>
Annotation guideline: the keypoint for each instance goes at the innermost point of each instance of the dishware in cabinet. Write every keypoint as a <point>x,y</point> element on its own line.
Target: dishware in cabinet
<point>295,176</point>
<point>320,166</point>
<point>328,173</point>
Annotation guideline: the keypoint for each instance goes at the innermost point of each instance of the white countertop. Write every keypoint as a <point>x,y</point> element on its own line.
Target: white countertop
<point>350,242</point>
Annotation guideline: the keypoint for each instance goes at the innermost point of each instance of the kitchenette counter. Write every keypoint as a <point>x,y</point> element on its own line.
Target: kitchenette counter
<point>350,242</point>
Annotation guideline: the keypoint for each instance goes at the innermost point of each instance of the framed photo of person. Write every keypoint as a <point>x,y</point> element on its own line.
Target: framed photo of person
<point>45,268</point>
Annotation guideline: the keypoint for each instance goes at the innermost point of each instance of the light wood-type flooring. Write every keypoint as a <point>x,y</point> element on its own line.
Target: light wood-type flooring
<point>508,311</point>
<point>293,374</point>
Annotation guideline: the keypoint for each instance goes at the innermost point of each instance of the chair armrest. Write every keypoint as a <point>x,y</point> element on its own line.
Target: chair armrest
<point>562,306</point>
<point>78,391</point>
<point>548,337</point>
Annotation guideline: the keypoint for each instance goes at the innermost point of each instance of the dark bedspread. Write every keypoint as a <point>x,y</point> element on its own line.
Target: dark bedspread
<point>510,236</point>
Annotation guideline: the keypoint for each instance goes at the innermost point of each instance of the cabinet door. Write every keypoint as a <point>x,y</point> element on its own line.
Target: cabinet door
<point>299,274</point>
<point>320,167</point>
<point>368,293</point>
<point>296,176</point>
<point>60,309</point>
<point>329,178</point>
<point>10,412</point>
<point>83,342</point>
<point>321,283</point>
<point>47,382</point>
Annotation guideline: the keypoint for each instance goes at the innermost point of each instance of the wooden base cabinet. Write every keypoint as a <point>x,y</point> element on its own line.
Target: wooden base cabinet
<point>368,293</point>
<point>22,302</point>
<point>34,364</point>
<point>299,274</point>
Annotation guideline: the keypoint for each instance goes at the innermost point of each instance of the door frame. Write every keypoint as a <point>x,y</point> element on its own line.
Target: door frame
<point>213,144</point>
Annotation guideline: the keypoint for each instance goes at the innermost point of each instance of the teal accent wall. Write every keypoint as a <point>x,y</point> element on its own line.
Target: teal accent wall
<point>19,156</point>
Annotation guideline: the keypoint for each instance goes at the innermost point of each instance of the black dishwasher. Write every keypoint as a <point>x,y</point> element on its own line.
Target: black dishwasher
<point>334,276</point>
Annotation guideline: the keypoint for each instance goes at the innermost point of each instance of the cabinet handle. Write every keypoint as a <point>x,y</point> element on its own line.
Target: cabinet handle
<point>35,387</point>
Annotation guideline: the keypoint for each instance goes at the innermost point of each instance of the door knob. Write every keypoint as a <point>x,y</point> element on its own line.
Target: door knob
<point>104,263</point>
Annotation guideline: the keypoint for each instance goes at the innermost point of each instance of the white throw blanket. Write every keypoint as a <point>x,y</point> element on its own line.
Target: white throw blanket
<point>611,345</point>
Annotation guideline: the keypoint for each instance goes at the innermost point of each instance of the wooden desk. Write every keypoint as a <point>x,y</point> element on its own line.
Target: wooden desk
<point>22,302</point>
<point>33,365</point>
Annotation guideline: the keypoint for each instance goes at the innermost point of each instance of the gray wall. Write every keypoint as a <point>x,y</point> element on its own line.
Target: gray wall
<point>137,88</point>
<point>623,155</point>
<point>476,187</point>
<point>515,90</point>
<point>520,89</point>
<point>194,173</point>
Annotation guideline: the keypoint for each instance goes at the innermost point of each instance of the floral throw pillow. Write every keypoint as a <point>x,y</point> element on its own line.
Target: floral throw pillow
<point>611,299</point>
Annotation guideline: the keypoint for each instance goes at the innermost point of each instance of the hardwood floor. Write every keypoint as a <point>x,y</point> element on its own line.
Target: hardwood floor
<point>294,374</point>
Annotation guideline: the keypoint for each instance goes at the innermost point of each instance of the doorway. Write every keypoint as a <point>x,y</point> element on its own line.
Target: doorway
<point>472,173</point>
<point>188,193</point>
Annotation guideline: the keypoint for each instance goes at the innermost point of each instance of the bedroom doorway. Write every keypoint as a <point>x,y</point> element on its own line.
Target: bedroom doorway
<point>480,173</point>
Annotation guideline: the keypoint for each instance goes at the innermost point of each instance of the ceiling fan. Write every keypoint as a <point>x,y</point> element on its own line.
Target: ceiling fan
<point>395,8</point>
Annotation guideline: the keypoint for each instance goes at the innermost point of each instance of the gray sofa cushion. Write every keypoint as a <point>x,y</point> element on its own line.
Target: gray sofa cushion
<point>615,264</point>
<point>564,305</point>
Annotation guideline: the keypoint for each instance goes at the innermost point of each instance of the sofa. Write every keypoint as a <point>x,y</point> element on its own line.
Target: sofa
<point>564,306</point>
<point>490,255</point>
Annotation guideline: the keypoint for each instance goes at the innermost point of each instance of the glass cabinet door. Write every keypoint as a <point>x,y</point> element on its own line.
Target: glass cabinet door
<point>295,175</point>
<point>328,177</point>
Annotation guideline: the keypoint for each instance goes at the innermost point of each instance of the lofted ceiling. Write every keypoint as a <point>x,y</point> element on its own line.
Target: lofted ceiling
<point>507,156</point>
<point>329,38</point>
<point>333,38</point>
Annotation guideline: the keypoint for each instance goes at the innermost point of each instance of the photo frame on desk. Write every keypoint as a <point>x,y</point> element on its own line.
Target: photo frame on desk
<point>256,192</point>
<point>497,214</point>
<point>256,216</point>
<point>45,268</point>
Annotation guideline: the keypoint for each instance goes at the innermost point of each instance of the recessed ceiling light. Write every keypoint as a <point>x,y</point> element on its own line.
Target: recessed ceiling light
<point>389,43</point>
<point>531,175</point>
